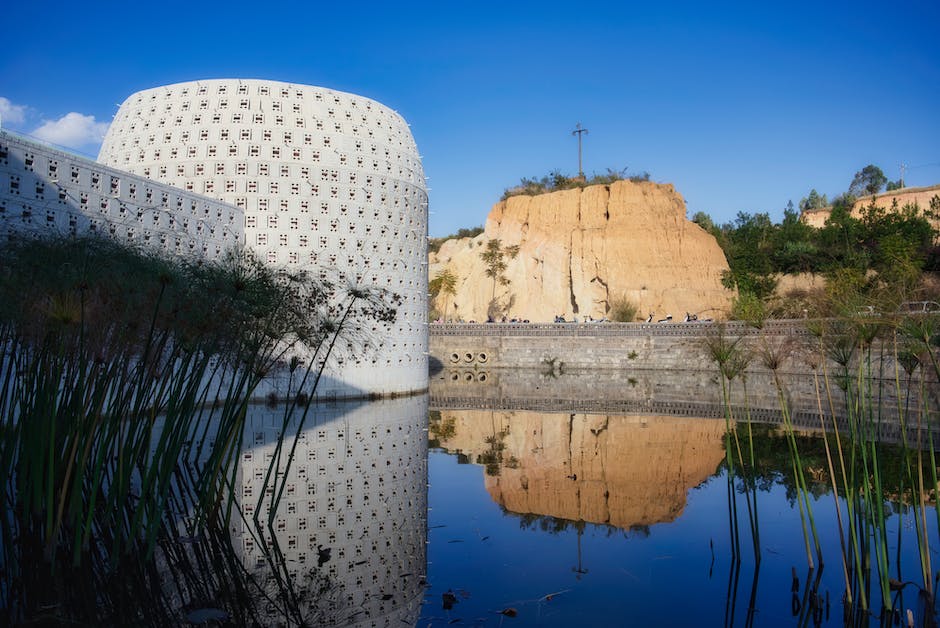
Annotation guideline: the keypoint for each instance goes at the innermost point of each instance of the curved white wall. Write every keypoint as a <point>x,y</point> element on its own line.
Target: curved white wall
<point>48,192</point>
<point>328,180</point>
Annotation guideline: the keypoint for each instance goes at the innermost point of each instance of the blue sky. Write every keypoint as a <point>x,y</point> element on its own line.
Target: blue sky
<point>741,107</point>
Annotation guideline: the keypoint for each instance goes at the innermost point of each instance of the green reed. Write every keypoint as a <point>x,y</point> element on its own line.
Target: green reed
<point>732,360</point>
<point>869,373</point>
<point>772,358</point>
<point>824,430</point>
<point>113,365</point>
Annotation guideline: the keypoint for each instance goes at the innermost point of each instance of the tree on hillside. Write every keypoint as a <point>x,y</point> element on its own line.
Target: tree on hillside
<point>813,201</point>
<point>895,185</point>
<point>494,258</point>
<point>844,201</point>
<point>444,283</point>
<point>840,238</point>
<point>899,239</point>
<point>869,180</point>
<point>792,244</point>
<point>704,221</point>
<point>748,249</point>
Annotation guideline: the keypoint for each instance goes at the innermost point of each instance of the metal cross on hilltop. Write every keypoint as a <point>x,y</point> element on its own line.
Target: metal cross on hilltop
<point>579,130</point>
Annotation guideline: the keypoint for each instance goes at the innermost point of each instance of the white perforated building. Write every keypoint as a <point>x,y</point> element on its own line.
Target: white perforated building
<point>328,181</point>
<point>47,192</point>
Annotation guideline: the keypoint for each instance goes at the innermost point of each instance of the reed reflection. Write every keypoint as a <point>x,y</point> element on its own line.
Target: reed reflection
<point>561,472</point>
<point>337,513</point>
<point>319,518</point>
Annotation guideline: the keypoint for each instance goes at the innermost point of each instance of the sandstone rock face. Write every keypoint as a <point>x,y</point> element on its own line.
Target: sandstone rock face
<point>798,282</point>
<point>922,197</point>
<point>617,470</point>
<point>816,217</point>
<point>580,250</point>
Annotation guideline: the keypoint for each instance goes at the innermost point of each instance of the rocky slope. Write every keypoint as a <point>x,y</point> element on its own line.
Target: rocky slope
<point>580,250</point>
<point>922,197</point>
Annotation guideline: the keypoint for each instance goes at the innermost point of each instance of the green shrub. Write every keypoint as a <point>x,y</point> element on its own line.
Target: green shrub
<point>555,181</point>
<point>748,307</point>
<point>115,361</point>
<point>623,310</point>
<point>434,244</point>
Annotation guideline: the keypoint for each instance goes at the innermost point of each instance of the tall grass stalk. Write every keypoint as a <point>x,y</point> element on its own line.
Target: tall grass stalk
<point>732,361</point>
<point>908,361</point>
<point>772,357</point>
<point>839,350</point>
<point>857,368</point>
<point>113,364</point>
<point>752,483</point>
<point>871,485</point>
<point>833,484</point>
<point>806,510</point>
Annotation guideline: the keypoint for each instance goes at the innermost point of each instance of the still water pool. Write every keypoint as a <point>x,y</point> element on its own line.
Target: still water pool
<point>602,520</point>
<point>393,513</point>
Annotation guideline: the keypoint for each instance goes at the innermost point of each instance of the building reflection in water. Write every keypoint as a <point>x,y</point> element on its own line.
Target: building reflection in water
<point>622,471</point>
<point>351,508</point>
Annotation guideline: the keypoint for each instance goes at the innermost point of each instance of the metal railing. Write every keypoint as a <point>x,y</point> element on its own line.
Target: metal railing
<point>695,329</point>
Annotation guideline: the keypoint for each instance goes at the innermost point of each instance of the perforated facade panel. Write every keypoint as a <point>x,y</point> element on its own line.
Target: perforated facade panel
<point>329,181</point>
<point>46,192</point>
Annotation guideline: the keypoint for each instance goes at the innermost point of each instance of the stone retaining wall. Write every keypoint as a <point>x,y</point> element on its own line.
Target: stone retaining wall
<point>612,345</point>
<point>651,368</point>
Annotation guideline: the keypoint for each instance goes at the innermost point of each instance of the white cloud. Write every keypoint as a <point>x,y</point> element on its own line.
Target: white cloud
<point>73,130</point>
<point>10,113</point>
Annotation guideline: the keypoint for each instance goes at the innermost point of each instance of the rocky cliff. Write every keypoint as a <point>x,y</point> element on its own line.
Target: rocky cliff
<point>576,252</point>
<point>617,470</point>
<point>922,197</point>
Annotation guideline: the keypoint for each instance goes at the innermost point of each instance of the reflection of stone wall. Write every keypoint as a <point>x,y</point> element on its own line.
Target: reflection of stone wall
<point>615,470</point>
<point>679,392</point>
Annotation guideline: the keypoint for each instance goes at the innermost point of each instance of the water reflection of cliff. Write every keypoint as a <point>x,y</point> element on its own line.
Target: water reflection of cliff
<point>618,470</point>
